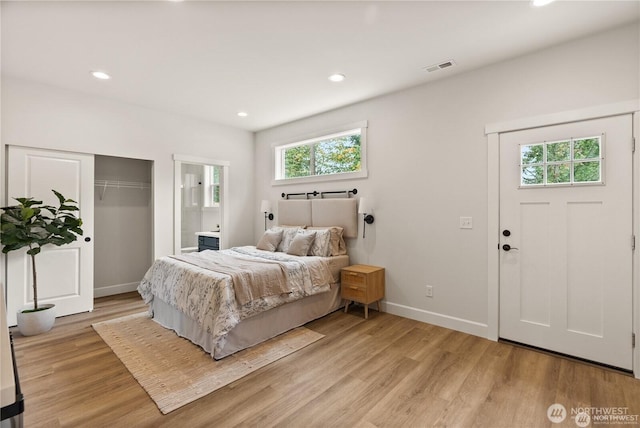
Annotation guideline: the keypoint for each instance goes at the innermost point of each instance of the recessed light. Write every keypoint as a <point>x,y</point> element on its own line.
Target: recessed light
<point>540,3</point>
<point>243,114</point>
<point>336,77</point>
<point>100,75</point>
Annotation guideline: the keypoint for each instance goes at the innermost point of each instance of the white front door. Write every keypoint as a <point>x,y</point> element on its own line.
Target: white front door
<point>566,220</point>
<point>65,274</point>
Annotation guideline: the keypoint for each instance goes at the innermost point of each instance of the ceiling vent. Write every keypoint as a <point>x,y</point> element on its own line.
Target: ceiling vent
<point>440,66</point>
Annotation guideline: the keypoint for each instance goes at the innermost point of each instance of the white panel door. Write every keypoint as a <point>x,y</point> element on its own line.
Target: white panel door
<point>65,274</point>
<point>566,272</point>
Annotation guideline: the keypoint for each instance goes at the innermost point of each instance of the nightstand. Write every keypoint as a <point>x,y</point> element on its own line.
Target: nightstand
<point>363,284</point>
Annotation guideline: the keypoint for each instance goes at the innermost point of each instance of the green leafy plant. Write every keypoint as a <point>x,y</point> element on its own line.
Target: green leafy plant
<point>32,224</point>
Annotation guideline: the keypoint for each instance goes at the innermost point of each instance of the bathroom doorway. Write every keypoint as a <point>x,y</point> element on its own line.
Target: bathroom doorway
<point>200,190</point>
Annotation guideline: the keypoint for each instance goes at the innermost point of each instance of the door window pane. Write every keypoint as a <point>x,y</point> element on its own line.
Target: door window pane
<point>532,175</point>
<point>532,153</point>
<point>585,172</point>
<point>588,148</point>
<point>562,162</point>
<point>560,151</point>
<point>558,173</point>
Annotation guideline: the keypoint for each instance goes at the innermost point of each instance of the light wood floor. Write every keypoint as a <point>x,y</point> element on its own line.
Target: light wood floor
<point>384,372</point>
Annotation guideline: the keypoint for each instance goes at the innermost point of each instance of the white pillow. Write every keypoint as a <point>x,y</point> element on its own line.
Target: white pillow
<point>301,243</point>
<point>270,240</point>
<point>288,233</point>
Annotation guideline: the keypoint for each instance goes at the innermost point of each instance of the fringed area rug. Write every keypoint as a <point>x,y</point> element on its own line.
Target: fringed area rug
<point>174,371</point>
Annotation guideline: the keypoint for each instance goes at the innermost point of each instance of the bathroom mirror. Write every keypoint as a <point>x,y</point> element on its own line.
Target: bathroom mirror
<point>199,208</point>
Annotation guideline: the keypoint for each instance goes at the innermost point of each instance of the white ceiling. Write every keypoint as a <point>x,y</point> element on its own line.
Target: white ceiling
<point>211,59</point>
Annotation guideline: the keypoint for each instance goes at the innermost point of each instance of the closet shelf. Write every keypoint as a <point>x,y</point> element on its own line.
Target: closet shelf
<point>118,184</point>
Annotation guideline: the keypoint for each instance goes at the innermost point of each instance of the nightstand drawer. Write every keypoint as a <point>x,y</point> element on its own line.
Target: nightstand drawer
<point>353,278</point>
<point>353,292</point>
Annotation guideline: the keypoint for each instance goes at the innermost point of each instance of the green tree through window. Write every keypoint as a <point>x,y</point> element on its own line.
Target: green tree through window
<point>337,155</point>
<point>297,161</point>
<point>328,156</point>
<point>561,162</point>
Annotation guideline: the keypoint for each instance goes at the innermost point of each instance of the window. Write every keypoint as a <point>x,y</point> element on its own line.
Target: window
<point>565,162</point>
<point>211,186</point>
<point>334,156</point>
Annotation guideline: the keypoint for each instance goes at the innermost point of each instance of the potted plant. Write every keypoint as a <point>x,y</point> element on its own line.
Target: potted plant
<point>32,224</point>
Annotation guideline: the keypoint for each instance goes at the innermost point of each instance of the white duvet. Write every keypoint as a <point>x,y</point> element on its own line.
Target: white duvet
<point>208,297</point>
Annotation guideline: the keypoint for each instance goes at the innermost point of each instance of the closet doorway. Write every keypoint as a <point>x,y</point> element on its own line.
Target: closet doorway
<point>199,205</point>
<point>123,216</point>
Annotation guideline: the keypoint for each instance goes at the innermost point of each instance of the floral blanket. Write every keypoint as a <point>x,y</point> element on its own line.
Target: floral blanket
<point>209,297</point>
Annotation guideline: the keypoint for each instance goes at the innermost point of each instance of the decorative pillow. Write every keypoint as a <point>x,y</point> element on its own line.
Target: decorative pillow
<point>322,244</point>
<point>270,240</point>
<point>288,233</point>
<point>301,243</point>
<point>337,246</point>
<point>343,248</point>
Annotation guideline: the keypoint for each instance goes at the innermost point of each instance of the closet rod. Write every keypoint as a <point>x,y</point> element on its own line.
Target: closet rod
<point>118,184</point>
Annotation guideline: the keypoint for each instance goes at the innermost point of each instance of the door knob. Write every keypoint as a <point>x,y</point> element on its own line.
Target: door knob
<point>508,247</point>
<point>87,239</point>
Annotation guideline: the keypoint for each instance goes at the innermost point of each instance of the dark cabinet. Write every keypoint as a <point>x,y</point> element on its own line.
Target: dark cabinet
<point>208,243</point>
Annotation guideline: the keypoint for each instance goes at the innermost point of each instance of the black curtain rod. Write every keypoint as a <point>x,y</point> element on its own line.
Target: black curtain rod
<point>315,193</point>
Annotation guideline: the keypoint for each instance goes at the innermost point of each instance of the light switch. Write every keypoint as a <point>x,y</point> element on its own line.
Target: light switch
<point>466,223</point>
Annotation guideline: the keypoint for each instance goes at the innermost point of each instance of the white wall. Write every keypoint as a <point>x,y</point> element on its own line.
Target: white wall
<point>47,117</point>
<point>427,159</point>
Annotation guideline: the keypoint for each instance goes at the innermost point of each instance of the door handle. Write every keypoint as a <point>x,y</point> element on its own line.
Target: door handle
<point>87,239</point>
<point>508,247</point>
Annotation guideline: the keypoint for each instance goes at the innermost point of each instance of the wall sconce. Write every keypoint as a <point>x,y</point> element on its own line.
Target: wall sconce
<point>365,209</point>
<point>265,207</point>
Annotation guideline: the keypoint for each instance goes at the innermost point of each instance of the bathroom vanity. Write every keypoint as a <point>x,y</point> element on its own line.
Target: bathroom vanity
<point>208,240</point>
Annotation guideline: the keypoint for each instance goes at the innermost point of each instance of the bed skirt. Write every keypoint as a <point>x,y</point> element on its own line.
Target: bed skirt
<point>255,329</point>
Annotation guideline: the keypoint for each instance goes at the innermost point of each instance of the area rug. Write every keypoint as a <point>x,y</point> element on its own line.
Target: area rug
<point>174,371</point>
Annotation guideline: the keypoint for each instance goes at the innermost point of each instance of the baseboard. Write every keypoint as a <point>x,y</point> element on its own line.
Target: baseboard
<point>446,321</point>
<point>110,290</point>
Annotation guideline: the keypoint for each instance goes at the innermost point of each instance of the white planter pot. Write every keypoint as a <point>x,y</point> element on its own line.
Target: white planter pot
<point>32,323</point>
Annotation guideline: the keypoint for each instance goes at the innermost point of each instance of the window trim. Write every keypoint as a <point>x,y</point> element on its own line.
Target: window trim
<point>276,160</point>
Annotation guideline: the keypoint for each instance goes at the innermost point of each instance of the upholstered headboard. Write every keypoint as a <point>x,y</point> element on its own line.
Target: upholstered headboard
<point>320,212</point>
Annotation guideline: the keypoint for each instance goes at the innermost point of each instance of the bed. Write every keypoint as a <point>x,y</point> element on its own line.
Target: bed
<point>232,299</point>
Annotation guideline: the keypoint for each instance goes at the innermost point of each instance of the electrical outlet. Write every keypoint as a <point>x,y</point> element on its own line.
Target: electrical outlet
<point>429,291</point>
<point>466,223</point>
